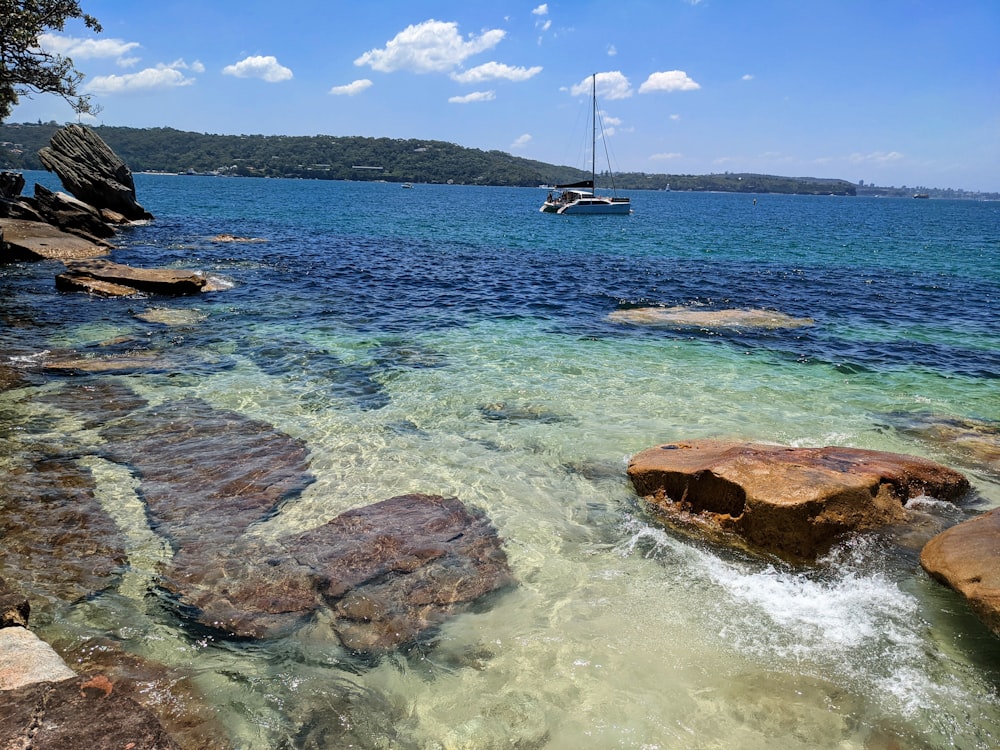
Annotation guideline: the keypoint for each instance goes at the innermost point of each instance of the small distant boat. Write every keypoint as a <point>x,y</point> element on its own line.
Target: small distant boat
<point>579,197</point>
<point>921,195</point>
<point>408,184</point>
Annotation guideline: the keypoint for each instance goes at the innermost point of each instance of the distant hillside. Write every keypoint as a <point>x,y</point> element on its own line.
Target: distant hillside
<point>358,158</point>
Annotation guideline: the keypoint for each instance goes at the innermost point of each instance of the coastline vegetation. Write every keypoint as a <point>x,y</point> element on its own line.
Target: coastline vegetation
<point>392,160</point>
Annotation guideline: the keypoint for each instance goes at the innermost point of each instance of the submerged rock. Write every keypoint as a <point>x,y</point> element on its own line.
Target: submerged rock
<point>207,473</point>
<point>81,713</point>
<point>698,317</point>
<point>966,557</point>
<point>795,502</point>
<point>389,572</point>
<point>57,539</point>
<point>973,442</point>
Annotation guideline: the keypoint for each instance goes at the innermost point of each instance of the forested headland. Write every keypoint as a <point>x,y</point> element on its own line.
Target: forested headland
<point>358,158</point>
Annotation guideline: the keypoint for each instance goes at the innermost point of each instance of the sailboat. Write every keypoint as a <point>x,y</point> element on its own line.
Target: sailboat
<point>579,197</point>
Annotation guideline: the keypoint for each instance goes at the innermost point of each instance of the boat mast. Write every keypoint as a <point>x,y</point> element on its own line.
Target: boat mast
<point>593,138</point>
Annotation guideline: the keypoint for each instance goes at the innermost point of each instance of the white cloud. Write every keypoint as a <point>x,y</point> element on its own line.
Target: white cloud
<point>675,118</point>
<point>611,85</point>
<point>429,47</point>
<point>351,89</point>
<point>612,50</point>
<point>547,25</point>
<point>877,157</point>
<point>265,67</point>
<point>748,77</point>
<point>666,156</point>
<point>85,49</point>
<point>521,141</point>
<point>475,96</point>
<point>160,78</point>
<point>541,10</point>
<point>669,80</point>
<point>492,70</point>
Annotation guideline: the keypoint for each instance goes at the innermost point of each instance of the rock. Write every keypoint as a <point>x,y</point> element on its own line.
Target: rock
<point>14,607</point>
<point>397,568</point>
<point>966,557</point>
<point>698,317</point>
<point>91,171</point>
<point>82,713</point>
<point>389,572</point>
<point>56,536</point>
<point>32,240</point>
<point>207,473</point>
<point>151,280</point>
<point>233,238</point>
<point>795,502</point>
<point>71,215</point>
<point>972,442</point>
<point>11,184</point>
<point>25,659</point>
<point>10,378</point>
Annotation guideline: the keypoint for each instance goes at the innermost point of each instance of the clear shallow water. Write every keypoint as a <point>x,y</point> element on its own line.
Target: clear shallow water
<point>454,341</point>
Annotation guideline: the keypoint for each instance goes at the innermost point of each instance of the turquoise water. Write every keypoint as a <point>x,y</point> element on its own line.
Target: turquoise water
<point>453,340</point>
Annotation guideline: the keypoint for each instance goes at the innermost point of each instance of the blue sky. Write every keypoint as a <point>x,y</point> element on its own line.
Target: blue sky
<point>895,92</point>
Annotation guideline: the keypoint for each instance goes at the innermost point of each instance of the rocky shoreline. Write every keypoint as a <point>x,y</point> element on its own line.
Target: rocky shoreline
<point>384,576</point>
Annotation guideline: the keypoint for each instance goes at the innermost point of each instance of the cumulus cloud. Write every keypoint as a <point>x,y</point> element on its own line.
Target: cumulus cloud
<point>351,89</point>
<point>429,47</point>
<point>612,50</point>
<point>493,70</point>
<point>521,141</point>
<point>748,77</point>
<point>265,67</point>
<point>669,80</point>
<point>611,85</point>
<point>877,157</point>
<point>85,49</point>
<point>160,78</point>
<point>475,96</point>
<point>541,10</point>
<point>665,156</point>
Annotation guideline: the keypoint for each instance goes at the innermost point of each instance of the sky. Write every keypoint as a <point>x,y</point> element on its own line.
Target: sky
<point>891,92</point>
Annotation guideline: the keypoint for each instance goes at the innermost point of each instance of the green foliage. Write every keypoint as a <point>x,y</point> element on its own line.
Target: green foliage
<point>352,158</point>
<point>24,68</point>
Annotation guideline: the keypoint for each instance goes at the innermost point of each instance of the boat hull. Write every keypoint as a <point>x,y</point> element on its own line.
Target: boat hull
<point>588,207</point>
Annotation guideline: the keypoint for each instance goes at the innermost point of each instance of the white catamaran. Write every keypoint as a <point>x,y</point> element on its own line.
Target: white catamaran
<point>579,197</point>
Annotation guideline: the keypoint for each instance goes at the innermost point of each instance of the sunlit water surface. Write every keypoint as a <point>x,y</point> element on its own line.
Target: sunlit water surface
<point>452,340</point>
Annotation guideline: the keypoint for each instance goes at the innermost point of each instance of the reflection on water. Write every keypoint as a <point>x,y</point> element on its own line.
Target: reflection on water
<point>428,351</point>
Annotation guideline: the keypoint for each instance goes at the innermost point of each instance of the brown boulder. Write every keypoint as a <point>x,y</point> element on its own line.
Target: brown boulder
<point>91,171</point>
<point>21,239</point>
<point>151,280</point>
<point>966,557</point>
<point>795,502</point>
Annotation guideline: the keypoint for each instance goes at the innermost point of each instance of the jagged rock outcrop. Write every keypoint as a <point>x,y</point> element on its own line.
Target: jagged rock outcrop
<point>966,557</point>
<point>92,172</point>
<point>794,502</point>
<point>71,214</point>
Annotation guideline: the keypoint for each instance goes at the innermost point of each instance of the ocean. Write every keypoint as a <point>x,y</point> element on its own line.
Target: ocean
<point>454,341</point>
